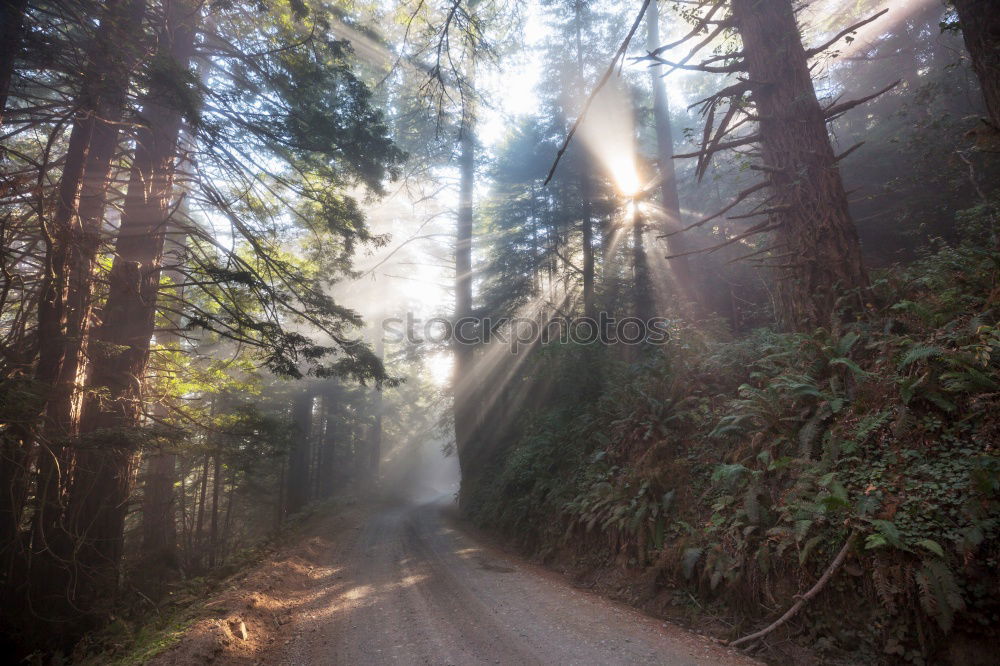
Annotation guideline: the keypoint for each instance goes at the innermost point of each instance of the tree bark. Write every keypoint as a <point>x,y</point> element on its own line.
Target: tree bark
<point>213,534</point>
<point>200,513</point>
<point>980,22</point>
<point>159,527</point>
<point>159,530</point>
<point>113,407</point>
<point>463,384</point>
<point>327,466</point>
<point>642,293</point>
<point>298,457</point>
<point>586,223</point>
<point>812,225</point>
<point>71,242</point>
<point>375,445</point>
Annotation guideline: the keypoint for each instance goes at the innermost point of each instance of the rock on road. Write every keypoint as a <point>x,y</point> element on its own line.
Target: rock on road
<point>407,587</point>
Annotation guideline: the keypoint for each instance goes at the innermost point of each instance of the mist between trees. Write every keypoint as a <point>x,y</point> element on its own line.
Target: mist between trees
<point>745,252</point>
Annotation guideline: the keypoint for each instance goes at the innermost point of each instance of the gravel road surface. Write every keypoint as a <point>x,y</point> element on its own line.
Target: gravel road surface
<point>408,587</point>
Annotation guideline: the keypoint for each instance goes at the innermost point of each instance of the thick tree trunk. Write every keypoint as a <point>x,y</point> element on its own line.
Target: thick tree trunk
<point>680,267</point>
<point>298,457</point>
<point>159,525</point>
<point>980,22</point>
<point>812,224</point>
<point>11,31</point>
<point>113,408</point>
<point>63,309</point>
<point>159,530</point>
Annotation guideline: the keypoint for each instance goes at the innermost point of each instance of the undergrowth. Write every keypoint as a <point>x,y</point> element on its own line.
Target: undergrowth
<point>735,470</point>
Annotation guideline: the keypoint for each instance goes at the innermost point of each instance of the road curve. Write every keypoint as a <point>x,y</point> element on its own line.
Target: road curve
<point>412,589</point>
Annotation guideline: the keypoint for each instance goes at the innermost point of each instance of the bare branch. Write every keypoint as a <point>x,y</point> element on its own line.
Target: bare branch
<point>843,33</point>
<point>735,143</point>
<point>742,196</point>
<point>837,110</point>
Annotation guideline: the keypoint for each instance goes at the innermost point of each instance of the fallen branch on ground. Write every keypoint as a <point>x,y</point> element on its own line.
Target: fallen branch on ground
<point>838,561</point>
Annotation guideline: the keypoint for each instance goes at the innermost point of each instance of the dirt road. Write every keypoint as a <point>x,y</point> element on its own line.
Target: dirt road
<point>401,584</point>
<point>412,589</point>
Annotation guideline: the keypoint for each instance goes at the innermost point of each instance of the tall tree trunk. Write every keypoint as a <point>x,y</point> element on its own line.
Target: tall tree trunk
<point>463,385</point>
<point>328,463</point>
<point>680,267</point>
<point>279,513</point>
<point>199,523</point>
<point>812,222</point>
<point>375,444</point>
<point>227,523</point>
<point>587,240</point>
<point>298,457</point>
<point>11,32</point>
<point>586,223</point>
<point>185,521</point>
<point>159,528</point>
<point>113,407</point>
<point>213,534</point>
<point>71,243</point>
<point>642,293</point>
<point>980,22</point>
<point>159,525</point>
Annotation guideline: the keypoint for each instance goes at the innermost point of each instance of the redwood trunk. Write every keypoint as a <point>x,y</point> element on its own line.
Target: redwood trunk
<point>463,389</point>
<point>200,519</point>
<point>812,224</point>
<point>375,446</point>
<point>71,248</point>
<point>113,409</point>
<point>980,22</point>
<point>159,531</point>
<point>298,457</point>
<point>589,305</point>
<point>159,525</point>
<point>327,467</point>
<point>213,539</point>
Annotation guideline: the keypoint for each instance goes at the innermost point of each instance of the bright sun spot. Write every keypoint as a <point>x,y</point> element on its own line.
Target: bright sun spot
<point>622,168</point>
<point>440,365</point>
<point>609,133</point>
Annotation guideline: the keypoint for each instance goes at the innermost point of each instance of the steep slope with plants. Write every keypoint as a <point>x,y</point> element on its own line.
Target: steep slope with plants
<point>737,469</point>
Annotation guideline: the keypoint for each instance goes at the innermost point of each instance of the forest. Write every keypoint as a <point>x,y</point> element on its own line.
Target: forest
<point>450,331</point>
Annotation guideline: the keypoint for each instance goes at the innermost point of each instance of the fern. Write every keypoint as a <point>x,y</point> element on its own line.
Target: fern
<point>884,588</point>
<point>940,595</point>
<point>918,353</point>
<point>969,380</point>
<point>869,424</point>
